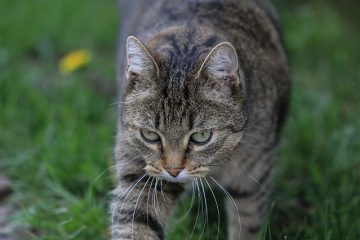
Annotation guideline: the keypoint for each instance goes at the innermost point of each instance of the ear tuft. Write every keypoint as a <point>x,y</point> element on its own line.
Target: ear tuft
<point>222,61</point>
<point>139,60</point>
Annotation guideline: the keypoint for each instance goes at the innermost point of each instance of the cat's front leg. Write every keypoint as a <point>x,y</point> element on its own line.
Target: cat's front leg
<point>141,206</point>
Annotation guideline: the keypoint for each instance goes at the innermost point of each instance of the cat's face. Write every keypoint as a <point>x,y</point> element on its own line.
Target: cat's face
<point>183,124</point>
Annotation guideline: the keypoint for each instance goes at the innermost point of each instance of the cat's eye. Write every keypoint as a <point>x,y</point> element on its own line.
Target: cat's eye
<point>150,136</point>
<point>201,137</point>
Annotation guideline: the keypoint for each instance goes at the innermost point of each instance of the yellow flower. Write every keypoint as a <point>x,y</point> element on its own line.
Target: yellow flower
<point>74,60</point>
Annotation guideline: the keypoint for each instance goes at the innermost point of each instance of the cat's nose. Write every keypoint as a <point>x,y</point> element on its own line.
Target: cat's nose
<point>174,171</point>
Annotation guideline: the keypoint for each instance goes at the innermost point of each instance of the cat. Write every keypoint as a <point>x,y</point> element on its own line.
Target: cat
<point>203,96</point>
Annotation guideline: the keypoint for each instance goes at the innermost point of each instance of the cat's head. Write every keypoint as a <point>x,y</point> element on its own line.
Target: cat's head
<point>183,123</point>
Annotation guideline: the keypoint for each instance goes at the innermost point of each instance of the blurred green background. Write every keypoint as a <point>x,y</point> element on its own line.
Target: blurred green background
<point>57,131</point>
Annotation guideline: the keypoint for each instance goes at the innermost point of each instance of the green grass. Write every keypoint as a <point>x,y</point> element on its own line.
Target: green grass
<point>57,132</point>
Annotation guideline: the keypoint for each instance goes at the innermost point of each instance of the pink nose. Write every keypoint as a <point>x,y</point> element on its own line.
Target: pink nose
<point>174,171</point>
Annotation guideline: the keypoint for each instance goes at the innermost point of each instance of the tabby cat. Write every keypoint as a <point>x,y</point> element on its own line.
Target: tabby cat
<point>204,90</point>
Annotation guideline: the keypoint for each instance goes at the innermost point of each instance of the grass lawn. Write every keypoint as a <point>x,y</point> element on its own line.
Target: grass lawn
<point>57,131</point>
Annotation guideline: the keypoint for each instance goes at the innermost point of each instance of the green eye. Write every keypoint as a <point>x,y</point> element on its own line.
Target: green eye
<point>202,137</point>
<point>150,136</point>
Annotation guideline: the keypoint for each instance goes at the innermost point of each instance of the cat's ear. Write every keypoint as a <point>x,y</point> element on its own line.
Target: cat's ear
<point>139,60</point>
<point>220,76</point>
<point>221,62</point>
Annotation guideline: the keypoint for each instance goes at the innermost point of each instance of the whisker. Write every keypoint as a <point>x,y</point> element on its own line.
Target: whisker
<point>162,193</point>
<point>198,211</point>
<point>147,202</point>
<point>257,182</point>
<point>154,205</point>
<point>118,198</point>
<point>204,209</point>
<point>137,200</point>
<point>127,191</point>
<point>191,204</point>
<point>103,172</point>
<point>217,208</point>
<point>108,169</point>
<point>157,201</point>
<point>126,156</point>
<point>231,200</point>
<point>214,165</point>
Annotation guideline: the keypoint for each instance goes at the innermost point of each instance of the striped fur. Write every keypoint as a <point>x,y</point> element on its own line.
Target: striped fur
<point>194,65</point>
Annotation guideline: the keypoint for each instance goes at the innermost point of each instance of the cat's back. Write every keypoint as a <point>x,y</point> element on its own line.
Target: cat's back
<point>140,15</point>
<point>250,25</point>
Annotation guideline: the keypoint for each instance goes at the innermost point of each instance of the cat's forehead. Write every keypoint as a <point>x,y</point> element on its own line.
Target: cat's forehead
<point>178,66</point>
<point>175,116</point>
<point>179,57</point>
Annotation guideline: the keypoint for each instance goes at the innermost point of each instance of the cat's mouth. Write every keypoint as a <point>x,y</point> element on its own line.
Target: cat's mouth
<point>179,175</point>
